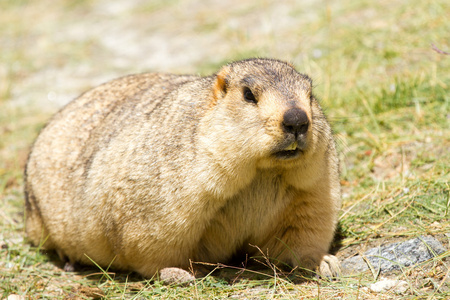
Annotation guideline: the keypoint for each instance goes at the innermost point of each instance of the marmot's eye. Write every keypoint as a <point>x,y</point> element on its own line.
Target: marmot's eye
<point>248,96</point>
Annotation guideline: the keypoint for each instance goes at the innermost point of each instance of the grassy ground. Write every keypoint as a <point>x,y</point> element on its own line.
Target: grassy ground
<point>383,86</point>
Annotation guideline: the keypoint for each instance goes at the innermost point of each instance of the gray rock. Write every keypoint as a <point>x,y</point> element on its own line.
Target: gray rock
<point>353,265</point>
<point>393,256</point>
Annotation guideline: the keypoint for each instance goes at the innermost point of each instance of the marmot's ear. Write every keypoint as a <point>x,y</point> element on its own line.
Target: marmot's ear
<point>221,84</point>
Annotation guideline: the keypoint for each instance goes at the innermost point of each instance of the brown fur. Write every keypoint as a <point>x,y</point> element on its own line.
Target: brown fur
<point>149,171</point>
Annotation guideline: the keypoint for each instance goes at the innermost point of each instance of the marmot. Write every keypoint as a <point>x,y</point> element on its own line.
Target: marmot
<point>153,170</point>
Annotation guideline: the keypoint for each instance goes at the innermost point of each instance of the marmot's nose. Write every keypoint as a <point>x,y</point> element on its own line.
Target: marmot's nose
<point>295,121</point>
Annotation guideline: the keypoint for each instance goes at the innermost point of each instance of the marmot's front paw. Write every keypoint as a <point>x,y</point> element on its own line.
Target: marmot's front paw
<point>330,266</point>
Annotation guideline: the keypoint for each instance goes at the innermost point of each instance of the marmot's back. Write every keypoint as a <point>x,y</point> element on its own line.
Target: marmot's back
<point>152,170</point>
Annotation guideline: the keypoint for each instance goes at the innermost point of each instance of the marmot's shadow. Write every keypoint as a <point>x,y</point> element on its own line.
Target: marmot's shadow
<point>253,268</point>
<point>238,269</point>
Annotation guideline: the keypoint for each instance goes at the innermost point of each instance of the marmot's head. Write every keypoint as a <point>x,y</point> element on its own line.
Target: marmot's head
<point>263,107</point>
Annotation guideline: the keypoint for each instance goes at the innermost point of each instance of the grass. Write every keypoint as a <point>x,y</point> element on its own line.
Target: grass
<point>383,87</point>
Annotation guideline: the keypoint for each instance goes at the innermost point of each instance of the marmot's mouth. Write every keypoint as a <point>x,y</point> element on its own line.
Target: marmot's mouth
<point>290,151</point>
<point>286,154</point>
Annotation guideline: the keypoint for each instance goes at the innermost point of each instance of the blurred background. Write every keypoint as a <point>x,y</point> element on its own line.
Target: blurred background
<point>51,51</point>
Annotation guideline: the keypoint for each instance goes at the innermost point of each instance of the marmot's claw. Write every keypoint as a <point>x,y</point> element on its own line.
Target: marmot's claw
<point>330,267</point>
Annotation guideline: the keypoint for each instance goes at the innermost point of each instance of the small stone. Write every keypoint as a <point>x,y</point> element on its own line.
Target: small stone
<point>384,285</point>
<point>175,276</point>
<point>15,297</point>
<point>16,240</point>
<point>401,288</point>
<point>9,265</point>
<point>3,245</point>
<point>69,267</point>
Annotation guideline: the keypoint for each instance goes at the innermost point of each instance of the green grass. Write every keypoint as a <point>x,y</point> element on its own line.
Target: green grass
<point>383,87</point>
